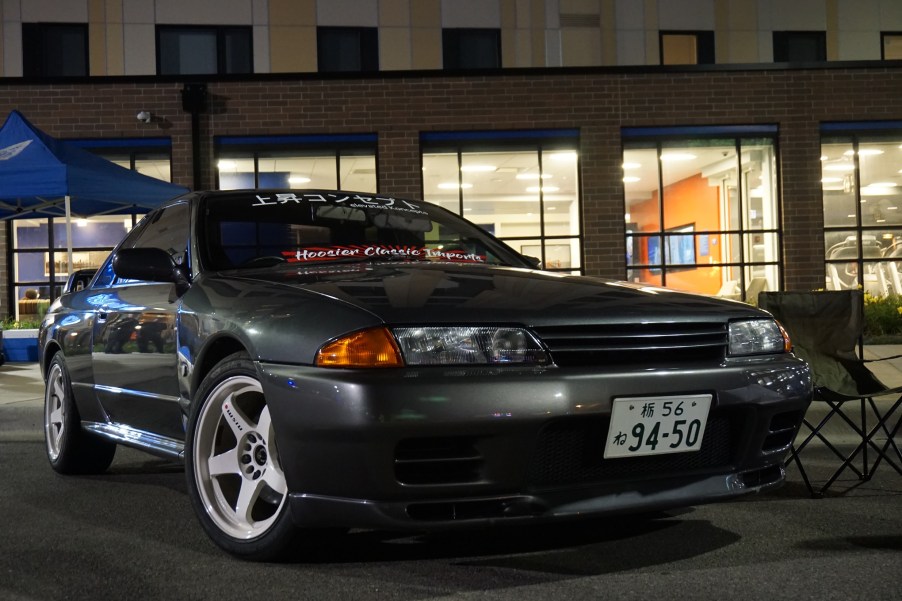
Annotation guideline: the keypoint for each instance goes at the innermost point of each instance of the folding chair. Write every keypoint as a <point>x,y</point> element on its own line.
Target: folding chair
<point>826,328</point>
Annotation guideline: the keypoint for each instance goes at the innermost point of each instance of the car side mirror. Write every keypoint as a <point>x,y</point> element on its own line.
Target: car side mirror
<point>149,264</point>
<point>534,262</point>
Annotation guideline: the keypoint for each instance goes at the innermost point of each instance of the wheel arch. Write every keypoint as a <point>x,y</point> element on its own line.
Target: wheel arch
<point>215,352</point>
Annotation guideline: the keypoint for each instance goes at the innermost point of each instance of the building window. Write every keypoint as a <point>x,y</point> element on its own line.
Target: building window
<point>188,50</point>
<point>522,187</point>
<point>147,156</point>
<point>862,207</point>
<point>54,49</point>
<point>687,47</point>
<point>891,46</point>
<point>701,209</point>
<point>800,46</point>
<point>345,162</point>
<point>39,246</point>
<point>464,49</point>
<point>347,49</point>
<point>40,257</point>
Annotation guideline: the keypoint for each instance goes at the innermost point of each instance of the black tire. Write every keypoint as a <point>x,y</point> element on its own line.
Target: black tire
<point>235,481</point>
<point>70,449</point>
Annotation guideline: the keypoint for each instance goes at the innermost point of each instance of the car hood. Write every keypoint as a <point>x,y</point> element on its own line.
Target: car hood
<point>407,293</point>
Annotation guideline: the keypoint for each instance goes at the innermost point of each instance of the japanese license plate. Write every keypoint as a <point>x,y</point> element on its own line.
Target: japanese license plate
<point>657,425</point>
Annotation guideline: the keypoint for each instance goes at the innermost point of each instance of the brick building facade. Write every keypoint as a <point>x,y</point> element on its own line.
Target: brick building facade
<point>398,108</point>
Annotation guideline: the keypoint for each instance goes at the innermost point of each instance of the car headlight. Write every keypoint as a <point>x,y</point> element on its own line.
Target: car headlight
<point>757,337</point>
<point>469,345</point>
<point>433,345</point>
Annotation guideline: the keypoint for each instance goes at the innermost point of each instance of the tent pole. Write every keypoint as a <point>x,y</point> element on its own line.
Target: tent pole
<point>68,233</point>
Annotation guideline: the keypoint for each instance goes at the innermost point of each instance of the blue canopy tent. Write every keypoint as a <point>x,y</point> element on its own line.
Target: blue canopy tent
<point>44,177</point>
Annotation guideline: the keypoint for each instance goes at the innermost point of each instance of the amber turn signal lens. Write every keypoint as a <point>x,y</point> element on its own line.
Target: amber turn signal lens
<point>787,342</point>
<point>368,348</point>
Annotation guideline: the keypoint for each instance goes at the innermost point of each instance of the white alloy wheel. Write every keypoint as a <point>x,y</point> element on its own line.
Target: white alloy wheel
<point>55,408</point>
<point>239,480</point>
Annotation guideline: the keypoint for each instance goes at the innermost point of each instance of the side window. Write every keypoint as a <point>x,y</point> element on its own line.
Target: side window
<point>167,229</point>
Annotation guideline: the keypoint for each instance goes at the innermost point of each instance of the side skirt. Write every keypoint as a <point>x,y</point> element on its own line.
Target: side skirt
<point>149,442</point>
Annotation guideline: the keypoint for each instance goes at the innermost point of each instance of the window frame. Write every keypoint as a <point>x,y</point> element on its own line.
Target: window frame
<point>220,32</point>
<point>367,48</point>
<point>660,139</point>
<point>883,37</point>
<point>336,145</point>
<point>453,39</point>
<point>783,39</point>
<point>538,141</point>
<point>35,61</point>
<point>855,134</point>
<point>704,46</point>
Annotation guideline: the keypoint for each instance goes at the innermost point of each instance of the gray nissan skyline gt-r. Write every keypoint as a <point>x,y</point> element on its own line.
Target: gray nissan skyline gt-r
<point>326,359</point>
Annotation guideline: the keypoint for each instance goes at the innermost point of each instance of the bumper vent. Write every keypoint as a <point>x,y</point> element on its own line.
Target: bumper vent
<point>571,452</point>
<point>781,431</point>
<point>638,344</point>
<point>451,460</point>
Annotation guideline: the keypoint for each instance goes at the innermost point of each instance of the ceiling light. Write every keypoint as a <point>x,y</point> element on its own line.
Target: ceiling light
<point>839,167</point>
<point>226,164</point>
<point>563,156</point>
<point>631,179</point>
<point>81,222</point>
<point>831,180</point>
<point>883,185</point>
<point>869,152</point>
<point>632,165</point>
<point>677,156</point>
<point>479,168</point>
<point>298,179</point>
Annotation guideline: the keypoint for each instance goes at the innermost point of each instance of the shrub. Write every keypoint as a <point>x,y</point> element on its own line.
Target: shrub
<point>882,316</point>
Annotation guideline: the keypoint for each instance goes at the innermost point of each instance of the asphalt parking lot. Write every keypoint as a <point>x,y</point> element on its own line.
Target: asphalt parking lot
<point>130,534</point>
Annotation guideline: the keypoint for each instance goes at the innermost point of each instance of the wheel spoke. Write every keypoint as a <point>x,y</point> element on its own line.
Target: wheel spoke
<point>224,463</point>
<point>247,499</point>
<point>275,478</point>
<point>235,417</point>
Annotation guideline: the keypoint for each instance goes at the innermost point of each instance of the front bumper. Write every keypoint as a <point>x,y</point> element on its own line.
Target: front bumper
<point>433,448</point>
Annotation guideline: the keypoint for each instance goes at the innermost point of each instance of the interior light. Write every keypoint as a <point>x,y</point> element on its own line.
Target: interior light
<point>632,165</point>
<point>824,157</point>
<point>869,152</point>
<point>839,167</point>
<point>479,168</point>
<point>563,156</point>
<point>631,179</point>
<point>884,184</point>
<point>225,164</point>
<point>81,222</point>
<point>677,156</point>
<point>831,180</point>
<point>298,179</point>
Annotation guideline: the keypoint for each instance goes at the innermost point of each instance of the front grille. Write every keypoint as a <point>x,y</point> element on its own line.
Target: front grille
<point>636,344</point>
<point>571,451</point>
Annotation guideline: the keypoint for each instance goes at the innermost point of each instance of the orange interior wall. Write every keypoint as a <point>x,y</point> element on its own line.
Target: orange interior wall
<point>689,201</point>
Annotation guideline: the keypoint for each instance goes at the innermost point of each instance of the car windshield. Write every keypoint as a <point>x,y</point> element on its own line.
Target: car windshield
<point>260,228</point>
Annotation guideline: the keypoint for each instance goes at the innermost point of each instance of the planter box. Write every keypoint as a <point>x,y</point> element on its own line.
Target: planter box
<point>20,345</point>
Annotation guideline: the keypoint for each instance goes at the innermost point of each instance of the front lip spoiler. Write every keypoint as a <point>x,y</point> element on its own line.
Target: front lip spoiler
<point>318,511</point>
